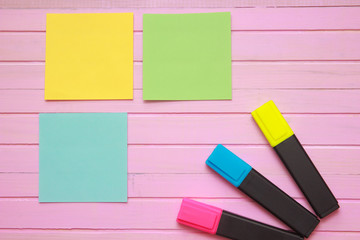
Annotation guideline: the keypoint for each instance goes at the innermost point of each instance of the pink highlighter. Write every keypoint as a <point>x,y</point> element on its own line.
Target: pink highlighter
<point>220,222</point>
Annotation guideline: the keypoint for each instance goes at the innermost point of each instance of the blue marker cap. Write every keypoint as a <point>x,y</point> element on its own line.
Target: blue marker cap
<point>228,165</point>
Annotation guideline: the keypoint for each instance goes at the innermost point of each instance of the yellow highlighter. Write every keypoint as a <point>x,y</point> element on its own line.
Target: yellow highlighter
<point>280,136</point>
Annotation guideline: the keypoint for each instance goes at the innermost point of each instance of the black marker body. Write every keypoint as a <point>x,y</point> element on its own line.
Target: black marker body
<point>240,228</point>
<point>279,203</point>
<point>307,177</point>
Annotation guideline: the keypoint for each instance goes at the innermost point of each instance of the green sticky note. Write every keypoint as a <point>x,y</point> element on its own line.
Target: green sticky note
<point>187,56</point>
<point>83,157</point>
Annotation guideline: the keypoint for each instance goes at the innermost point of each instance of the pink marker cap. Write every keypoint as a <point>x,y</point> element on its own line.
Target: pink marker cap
<point>199,215</point>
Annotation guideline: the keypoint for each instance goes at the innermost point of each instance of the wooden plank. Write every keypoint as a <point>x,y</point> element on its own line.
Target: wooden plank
<point>19,158</point>
<point>265,46</point>
<point>190,159</point>
<point>23,75</point>
<point>260,75</point>
<point>22,128</point>
<point>233,129</point>
<point>295,75</point>
<point>184,233</point>
<point>295,46</point>
<point>145,214</point>
<point>331,18</point>
<point>173,4</point>
<point>244,101</point>
<point>178,185</point>
<point>203,129</point>
<point>188,234</point>
<point>22,46</point>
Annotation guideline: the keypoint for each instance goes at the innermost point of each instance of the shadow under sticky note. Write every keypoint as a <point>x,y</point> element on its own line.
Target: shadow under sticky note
<point>83,157</point>
<point>187,56</point>
<point>89,56</point>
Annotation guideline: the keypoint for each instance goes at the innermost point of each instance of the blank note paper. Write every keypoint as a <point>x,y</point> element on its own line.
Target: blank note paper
<point>187,56</point>
<point>83,157</point>
<point>89,56</point>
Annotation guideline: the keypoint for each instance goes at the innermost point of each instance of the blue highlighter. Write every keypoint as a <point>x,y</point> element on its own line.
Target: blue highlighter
<point>256,186</point>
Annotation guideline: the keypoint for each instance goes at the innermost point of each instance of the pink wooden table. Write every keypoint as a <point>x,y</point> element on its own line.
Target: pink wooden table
<point>302,55</point>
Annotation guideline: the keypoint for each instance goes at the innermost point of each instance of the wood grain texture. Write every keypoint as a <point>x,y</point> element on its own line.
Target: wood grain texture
<point>265,46</point>
<point>307,59</point>
<point>243,101</point>
<point>173,4</point>
<point>177,185</point>
<point>245,75</point>
<point>145,213</point>
<point>194,129</point>
<point>241,19</point>
<point>182,234</point>
<point>190,159</point>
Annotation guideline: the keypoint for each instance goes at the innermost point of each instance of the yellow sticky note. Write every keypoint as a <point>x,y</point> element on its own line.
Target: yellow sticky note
<point>89,56</point>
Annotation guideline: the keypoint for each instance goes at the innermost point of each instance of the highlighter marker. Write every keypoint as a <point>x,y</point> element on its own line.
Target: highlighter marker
<point>214,220</point>
<point>256,186</point>
<point>293,155</point>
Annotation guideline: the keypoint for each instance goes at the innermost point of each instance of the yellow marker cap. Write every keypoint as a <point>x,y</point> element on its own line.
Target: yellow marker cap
<point>272,123</point>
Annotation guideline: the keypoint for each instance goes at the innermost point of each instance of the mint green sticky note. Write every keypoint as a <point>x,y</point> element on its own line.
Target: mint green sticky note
<point>83,157</point>
<point>187,56</point>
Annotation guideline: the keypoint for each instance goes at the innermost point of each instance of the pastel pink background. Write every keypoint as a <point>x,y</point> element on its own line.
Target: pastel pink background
<point>302,55</point>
